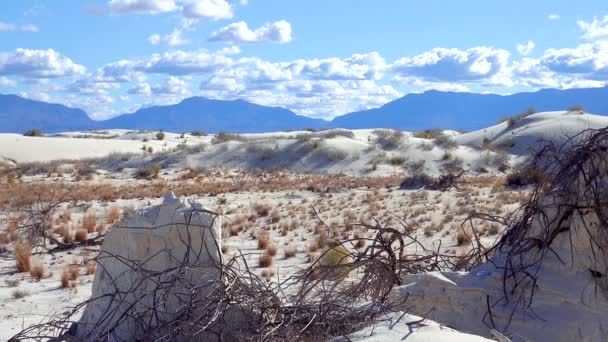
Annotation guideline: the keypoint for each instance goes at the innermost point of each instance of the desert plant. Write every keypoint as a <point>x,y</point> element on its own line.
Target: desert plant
<point>80,234</point>
<point>576,108</point>
<point>112,214</point>
<point>388,138</point>
<point>429,133</point>
<point>89,222</point>
<point>265,260</point>
<point>335,256</point>
<point>225,136</point>
<point>37,270</point>
<point>445,141</point>
<point>529,175</point>
<point>198,133</point>
<point>337,133</point>
<point>35,132</point>
<point>160,135</point>
<point>23,256</point>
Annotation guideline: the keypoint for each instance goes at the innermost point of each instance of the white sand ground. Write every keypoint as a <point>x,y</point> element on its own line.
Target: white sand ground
<point>438,214</point>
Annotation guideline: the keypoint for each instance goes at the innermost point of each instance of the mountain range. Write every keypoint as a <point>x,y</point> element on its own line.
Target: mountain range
<point>431,109</point>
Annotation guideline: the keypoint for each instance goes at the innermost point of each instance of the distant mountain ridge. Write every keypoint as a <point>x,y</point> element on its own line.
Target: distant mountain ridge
<point>469,111</point>
<point>432,109</point>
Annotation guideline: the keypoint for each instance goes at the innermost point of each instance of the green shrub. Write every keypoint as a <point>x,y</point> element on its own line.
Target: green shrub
<point>198,133</point>
<point>445,141</point>
<point>388,138</point>
<point>225,136</point>
<point>335,256</point>
<point>337,133</point>
<point>160,135</point>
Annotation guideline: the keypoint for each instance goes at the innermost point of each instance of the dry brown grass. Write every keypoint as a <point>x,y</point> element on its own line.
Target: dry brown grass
<point>89,222</point>
<point>290,252</point>
<point>74,271</point>
<point>267,274</point>
<point>271,250</point>
<point>66,233</point>
<point>37,270</point>
<point>266,260</point>
<point>23,256</point>
<point>112,214</point>
<point>65,278</point>
<point>463,236</point>
<point>91,267</point>
<point>263,239</point>
<point>80,234</point>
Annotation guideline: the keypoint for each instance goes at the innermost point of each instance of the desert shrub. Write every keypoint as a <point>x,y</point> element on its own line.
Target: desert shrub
<point>429,133</point>
<point>265,260</point>
<point>23,256</point>
<point>446,156</point>
<point>332,153</point>
<point>89,222</point>
<point>160,135</point>
<point>445,141</point>
<point>18,293</point>
<point>263,240</point>
<point>388,138</point>
<point>499,160</point>
<point>261,209</point>
<point>335,256</point>
<point>263,152</point>
<point>80,235</point>
<point>148,172</point>
<point>37,271</point>
<point>452,166</point>
<point>290,252</point>
<point>224,136</point>
<point>417,166</point>
<point>512,120</point>
<point>198,133</point>
<point>35,132</point>
<point>337,133</point>
<point>486,144</point>
<point>529,175</point>
<point>576,108</point>
<point>417,181</point>
<point>463,236</point>
<point>397,160</point>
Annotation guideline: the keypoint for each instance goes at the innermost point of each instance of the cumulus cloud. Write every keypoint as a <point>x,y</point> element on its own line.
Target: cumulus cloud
<point>38,64</point>
<point>143,89</point>
<point>239,32</point>
<point>525,48</point>
<point>553,16</point>
<point>172,39</point>
<point>450,65</point>
<point>199,9</point>
<point>6,82</point>
<point>172,86</point>
<point>594,30</point>
<point>589,60</point>
<point>8,27</point>
<point>207,9</point>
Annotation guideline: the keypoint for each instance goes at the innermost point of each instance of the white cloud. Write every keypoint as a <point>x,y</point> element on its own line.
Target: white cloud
<point>141,89</point>
<point>229,50</point>
<point>356,67</point>
<point>449,65</point>
<point>38,64</point>
<point>589,60</point>
<point>595,30</point>
<point>526,48</point>
<point>239,32</point>
<point>172,86</point>
<point>142,6</point>
<point>172,39</point>
<point>6,82</point>
<point>207,9</point>
<point>553,16</point>
<point>8,27</point>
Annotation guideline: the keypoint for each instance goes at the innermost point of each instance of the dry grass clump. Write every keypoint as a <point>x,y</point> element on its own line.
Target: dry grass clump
<point>263,240</point>
<point>81,234</point>
<point>463,236</point>
<point>271,250</point>
<point>290,252</point>
<point>23,256</point>
<point>112,214</point>
<point>266,260</point>
<point>275,216</point>
<point>66,233</point>
<point>65,278</point>
<point>37,270</point>
<point>261,210</point>
<point>267,274</point>
<point>89,222</point>
<point>69,275</point>
<point>91,267</point>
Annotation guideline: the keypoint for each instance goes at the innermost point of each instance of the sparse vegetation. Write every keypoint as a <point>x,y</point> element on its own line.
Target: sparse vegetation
<point>36,132</point>
<point>160,135</point>
<point>512,120</point>
<point>529,175</point>
<point>388,138</point>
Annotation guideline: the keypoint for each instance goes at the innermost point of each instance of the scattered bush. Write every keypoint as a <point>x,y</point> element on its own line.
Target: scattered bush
<point>429,133</point>
<point>224,136</point>
<point>23,256</point>
<point>263,240</point>
<point>463,236</point>
<point>89,222</point>
<point>91,267</point>
<point>37,271</point>
<point>577,108</point>
<point>36,132</point>
<point>512,120</point>
<point>80,234</point>
<point>417,166</point>
<point>262,152</point>
<point>112,214</point>
<point>160,135</point>
<point>529,175</point>
<point>198,133</point>
<point>148,172</point>
<point>445,141</point>
<point>290,252</point>
<point>452,166</point>
<point>335,256</point>
<point>388,138</point>
<point>332,154</point>
<point>417,181</point>
<point>397,160</point>
<point>18,294</point>
<point>499,160</point>
<point>337,133</point>
<point>266,260</point>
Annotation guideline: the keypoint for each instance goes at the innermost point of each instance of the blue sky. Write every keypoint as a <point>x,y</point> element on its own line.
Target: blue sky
<point>317,58</point>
